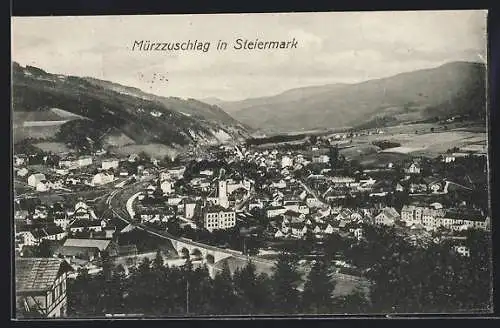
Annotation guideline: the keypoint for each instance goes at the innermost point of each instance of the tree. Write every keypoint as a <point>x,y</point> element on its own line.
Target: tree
<point>112,300</point>
<point>252,290</point>
<point>107,265</point>
<point>223,295</point>
<point>353,303</point>
<point>158,262</point>
<point>318,289</point>
<point>333,156</point>
<point>285,280</point>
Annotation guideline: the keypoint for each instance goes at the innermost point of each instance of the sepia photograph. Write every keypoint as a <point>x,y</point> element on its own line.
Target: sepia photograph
<point>250,165</point>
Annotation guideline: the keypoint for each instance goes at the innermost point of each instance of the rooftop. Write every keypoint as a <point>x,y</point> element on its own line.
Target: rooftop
<point>38,274</point>
<point>98,243</point>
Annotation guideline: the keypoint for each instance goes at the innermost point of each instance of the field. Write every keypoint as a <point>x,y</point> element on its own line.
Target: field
<point>119,140</point>
<point>417,139</point>
<point>39,124</point>
<point>382,159</point>
<point>359,151</point>
<point>347,284</point>
<point>153,150</point>
<point>54,147</point>
<point>43,132</point>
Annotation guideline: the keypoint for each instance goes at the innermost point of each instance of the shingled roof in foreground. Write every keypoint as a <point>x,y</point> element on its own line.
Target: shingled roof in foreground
<point>38,274</point>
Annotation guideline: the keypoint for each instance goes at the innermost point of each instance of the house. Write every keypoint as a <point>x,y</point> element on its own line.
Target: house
<point>217,217</point>
<point>279,234</point>
<point>150,189</point>
<point>293,216</point>
<point>56,184</point>
<point>87,249</point>
<point>208,173</point>
<point>177,172</point>
<point>110,163</point>
<point>133,158</point>
<point>448,158</point>
<point>35,179</point>
<point>84,161</point>
<point>189,208</point>
<point>321,159</point>
<point>340,181</point>
<point>298,229</point>
<point>312,202</point>
<point>462,250</point>
<point>81,225</point>
<point>83,213</point>
<point>43,186</point>
<point>41,212</point>
<point>19,160</point>
<point>462,220</point>
<point>358,233</point>
<point>317,230</point>
<point>49,233</point>
<point>275,211</point>
<point>344,215</point>
<point>26,238</point>
<point>281,184</point>
<point>41,287</point>
<point>68,163</point>
<point>435,185</point>
<point>62,221</point>
<point>411,214</point>
<point>21,215</point>
<point>286,161</point>
<point>413,168</point>
<point>356,216</point>
<point>297,207</point>
<point>22,172</point>
<point>416,188</point>
<point>102,178</point>
<point>388,216</point>
<point>255,204</point>
<point>109,231</point>
<point>80,205</point>
<point>167,186</point>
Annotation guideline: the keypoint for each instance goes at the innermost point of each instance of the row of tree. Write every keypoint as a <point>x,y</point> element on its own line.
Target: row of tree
<point>155,289</point>
<point>403,277</point>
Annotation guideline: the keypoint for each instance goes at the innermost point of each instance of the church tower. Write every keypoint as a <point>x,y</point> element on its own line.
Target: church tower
<point>223,200</point>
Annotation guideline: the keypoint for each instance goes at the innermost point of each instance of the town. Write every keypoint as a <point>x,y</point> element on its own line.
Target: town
<point>232,204</point>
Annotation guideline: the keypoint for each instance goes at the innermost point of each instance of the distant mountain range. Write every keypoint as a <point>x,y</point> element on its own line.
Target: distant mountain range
<point>452,89</point>
<point>114,109</point>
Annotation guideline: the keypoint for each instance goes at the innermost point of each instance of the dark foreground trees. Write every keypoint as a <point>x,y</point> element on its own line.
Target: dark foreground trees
<point>155,289</point>
<point>403,278</point>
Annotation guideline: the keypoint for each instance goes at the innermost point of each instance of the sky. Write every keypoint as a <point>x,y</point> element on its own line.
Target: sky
<point>335,47</point>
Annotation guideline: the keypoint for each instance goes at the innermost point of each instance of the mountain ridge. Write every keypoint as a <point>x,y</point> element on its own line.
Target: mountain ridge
<point>452,88</point>
<point>142,117</point>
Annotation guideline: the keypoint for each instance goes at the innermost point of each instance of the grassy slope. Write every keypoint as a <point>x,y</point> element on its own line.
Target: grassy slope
<point>35,91</point>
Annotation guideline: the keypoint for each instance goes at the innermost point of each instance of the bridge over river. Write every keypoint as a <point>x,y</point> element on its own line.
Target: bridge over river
<point>208,254</point>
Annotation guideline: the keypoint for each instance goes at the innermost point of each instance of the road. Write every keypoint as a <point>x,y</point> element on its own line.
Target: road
<point>245,200</point>
<point>309,191</point>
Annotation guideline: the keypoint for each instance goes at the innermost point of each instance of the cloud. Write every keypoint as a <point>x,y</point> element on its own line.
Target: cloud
<point>333,47</point>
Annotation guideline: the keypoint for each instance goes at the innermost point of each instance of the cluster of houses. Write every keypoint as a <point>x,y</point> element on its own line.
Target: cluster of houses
<point>71,171</point>
<point>288,221</point>
<point>212,208</point>
<point>54,223</point>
